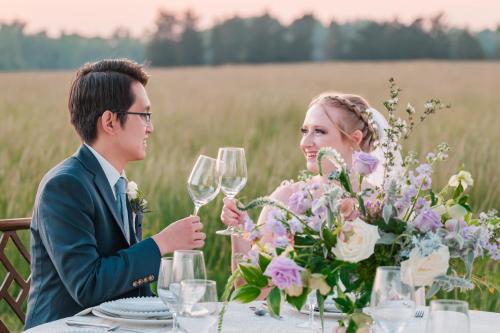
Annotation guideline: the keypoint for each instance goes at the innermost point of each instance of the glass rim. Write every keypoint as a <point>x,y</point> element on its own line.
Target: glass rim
<point>206,156</point>
<point>232,148</point>
<point>449,302</point>
<point>188,251</point>
<point>167,258</point>
<point>201,281</point>
<point>389,268</point>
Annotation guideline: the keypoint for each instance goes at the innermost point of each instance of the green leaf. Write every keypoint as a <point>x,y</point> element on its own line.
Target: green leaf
<point>298,301</point>
<point>344,181</point>
<point>346,280</point>
<point>362,205</point>
<point>387,213</point>
<point>467,207</point>
<point>274,301</point>
<point>351,327</point>
<point>344,304</point>
<point>433,198</point>
<point>253,275</point>
<point>264,260</point>
<point>246,293</point>
<point>362,301</point>
<point>329,238</point>
<point>432,290</point>
<point>463,200</point>
<point>459,190</point>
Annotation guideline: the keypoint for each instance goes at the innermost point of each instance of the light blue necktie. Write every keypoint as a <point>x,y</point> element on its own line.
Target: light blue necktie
<point>121,201</point>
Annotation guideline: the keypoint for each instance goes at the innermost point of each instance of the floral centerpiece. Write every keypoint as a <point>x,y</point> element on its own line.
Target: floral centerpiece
<point>332,237</point>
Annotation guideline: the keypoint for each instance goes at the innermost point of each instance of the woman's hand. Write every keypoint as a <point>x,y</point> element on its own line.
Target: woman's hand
<point>231,215</point>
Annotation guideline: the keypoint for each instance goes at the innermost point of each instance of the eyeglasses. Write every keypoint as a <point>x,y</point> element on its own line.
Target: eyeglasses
<point>146,116</point>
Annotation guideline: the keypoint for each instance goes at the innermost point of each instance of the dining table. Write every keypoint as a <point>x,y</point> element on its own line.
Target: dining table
<point>239,318</point>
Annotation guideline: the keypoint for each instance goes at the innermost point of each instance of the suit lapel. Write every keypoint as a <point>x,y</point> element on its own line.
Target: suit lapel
<point>85,156</point>
<point>133,236</point>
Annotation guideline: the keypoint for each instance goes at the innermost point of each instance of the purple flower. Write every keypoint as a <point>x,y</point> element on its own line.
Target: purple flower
<point>364,163</point>
<point>274,223</point>
<point>427,221</point>
<point>299,202</point>
<point>284,272</point>
<point>453,225</point>
<point>295,226</point>
<point>424,169</point>
<point>281,241</point>
<point>421,204</point>
<point>494,250</point>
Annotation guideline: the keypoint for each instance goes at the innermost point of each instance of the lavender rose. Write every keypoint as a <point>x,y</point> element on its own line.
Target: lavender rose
<point>284,272</point>
<point>364,163</point>
<point>426,221</point>
<point>299,202</point>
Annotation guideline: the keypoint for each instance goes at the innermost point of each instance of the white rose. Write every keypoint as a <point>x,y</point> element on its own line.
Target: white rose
<point>463,178</point>
<point>132,190</point>
<point>358,242</point>
<point>422,269</point>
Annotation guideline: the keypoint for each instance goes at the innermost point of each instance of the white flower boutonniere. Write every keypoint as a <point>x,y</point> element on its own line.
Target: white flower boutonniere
<point>136,197</point>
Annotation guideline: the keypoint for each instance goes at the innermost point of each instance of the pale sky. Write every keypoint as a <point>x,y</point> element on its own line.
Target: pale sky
<point>102,17</point>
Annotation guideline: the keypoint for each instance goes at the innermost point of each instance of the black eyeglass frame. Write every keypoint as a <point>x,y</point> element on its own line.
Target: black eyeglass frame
<point>144,115</point>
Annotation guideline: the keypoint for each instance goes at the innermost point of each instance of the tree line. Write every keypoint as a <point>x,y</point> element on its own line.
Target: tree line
<point>178,41</point>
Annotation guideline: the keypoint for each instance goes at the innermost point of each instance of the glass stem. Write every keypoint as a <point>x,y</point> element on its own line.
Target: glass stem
<point>196,208</point>
<point>175,324</point>
<point>311,314</point>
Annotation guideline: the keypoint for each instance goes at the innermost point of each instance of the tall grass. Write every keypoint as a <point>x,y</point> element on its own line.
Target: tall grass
<point>260,108</point>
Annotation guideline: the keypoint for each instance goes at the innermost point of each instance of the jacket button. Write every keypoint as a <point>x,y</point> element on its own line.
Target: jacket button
<point>151,278</point>
<point>134,284</point>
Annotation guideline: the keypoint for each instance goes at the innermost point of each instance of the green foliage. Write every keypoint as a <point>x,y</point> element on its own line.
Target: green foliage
<point>253,275</point>
<point>246,293</point>
<point>274,301</point>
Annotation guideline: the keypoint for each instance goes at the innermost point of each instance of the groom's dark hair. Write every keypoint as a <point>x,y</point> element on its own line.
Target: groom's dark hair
<point>100,86</point>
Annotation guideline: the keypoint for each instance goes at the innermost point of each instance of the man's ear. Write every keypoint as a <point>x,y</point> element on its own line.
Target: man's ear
<point>108,122</point>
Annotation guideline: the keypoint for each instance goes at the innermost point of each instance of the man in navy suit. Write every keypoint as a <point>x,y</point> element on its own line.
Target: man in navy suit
<point>86,247</point>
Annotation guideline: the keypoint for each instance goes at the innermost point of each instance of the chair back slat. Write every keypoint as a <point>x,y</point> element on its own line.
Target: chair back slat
<point>8,232</point>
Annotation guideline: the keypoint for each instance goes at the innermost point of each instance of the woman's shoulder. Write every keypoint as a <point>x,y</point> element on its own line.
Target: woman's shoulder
<point>286,189</point>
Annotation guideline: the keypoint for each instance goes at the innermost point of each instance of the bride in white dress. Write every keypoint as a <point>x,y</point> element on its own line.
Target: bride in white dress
<point>344,122</point>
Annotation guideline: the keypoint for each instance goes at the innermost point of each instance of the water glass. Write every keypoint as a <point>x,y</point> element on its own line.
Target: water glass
<point>392,304</point>
<point>311,306</point>
<point>167,294</point>
<point>448,316</point>
<point>199,304</point>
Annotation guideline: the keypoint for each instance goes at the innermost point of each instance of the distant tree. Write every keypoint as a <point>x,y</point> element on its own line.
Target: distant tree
<point>190,43</point>
<point>300,38</point>
<point>11,45</point>
<point>465,46</point>
<point>229,41</point>
<point>265,40</point>
<point>162,49</point>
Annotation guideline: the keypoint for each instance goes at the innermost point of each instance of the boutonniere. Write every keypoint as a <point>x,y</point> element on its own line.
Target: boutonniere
<point>136,197</point>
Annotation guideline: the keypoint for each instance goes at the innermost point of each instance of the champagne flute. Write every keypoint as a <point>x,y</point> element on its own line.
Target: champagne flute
<point>448,316</point>
<point>166,294</point>
<point>204,181</point>
<point>199,300</point>
<point>392,300</point>
<point>234,176</point>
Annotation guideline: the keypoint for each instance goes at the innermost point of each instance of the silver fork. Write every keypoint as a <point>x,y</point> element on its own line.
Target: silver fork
<point>107,328</point>
<point>419,314</point>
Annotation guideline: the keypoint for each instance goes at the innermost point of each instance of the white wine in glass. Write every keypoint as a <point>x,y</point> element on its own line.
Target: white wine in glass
<point>234,176</point>
<point>204,181</point>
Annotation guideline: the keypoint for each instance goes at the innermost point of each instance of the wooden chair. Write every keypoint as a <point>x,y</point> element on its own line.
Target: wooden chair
<point>8,231</point>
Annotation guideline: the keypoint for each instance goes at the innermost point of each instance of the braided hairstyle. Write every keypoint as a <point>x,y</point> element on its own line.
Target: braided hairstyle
<point>354,116</point>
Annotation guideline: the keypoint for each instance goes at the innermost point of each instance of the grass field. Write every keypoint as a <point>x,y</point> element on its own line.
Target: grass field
<point>260,108</point>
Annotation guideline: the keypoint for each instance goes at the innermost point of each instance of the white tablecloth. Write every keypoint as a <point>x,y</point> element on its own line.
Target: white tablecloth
<point>239,318</point>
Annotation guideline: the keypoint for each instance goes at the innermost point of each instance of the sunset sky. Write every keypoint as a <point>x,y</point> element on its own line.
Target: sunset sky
<point>101,17</point>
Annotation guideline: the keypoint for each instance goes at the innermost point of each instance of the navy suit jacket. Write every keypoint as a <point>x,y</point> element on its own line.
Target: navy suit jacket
<point>80,255</point>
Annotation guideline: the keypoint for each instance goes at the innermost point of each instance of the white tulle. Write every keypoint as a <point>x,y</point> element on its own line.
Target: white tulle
<point>377,177</point>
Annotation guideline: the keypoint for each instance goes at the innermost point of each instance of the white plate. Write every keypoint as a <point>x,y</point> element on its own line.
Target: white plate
<point>150,321</point>
<point>135,304</point>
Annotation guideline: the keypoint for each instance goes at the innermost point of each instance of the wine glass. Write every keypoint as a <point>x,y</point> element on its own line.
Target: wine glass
<point>311,305</point>
<point>186,265</point>
<point>198,299</point>
<point>234,176</point>
<point>166,294</point>
<point>448,316</point>
<point>204,181</point>
<point>392,300</point>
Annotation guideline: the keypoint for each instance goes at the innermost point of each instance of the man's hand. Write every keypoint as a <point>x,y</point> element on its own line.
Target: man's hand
<point>184,234</point>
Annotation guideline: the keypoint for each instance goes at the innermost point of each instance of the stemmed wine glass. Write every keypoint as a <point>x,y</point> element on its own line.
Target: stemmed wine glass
<point>311,305</point>
<point>234,176</point>
<point>166,293</point>
<point>185,265</point>
<point>392,302</point>
<point>204,181</point>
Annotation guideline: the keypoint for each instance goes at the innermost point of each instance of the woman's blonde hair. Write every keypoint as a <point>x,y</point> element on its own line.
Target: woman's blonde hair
<point>355,116</point>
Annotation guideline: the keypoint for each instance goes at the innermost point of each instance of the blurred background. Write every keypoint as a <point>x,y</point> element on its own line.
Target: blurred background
<point>241,73</point>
